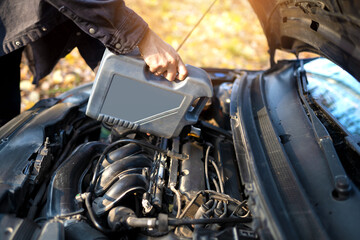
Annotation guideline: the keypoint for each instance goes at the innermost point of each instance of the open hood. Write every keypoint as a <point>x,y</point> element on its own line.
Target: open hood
<point>327,27</point>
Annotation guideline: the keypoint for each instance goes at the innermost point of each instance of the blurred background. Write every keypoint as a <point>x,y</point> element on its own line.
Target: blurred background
<point>230,36</point>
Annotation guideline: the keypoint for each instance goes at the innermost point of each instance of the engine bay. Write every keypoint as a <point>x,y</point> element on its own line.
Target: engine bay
<point>67,176</point>
<point>77,178</point>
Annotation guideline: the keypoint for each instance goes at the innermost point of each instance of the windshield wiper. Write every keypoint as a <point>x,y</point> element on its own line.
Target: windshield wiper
<point>342,186</point>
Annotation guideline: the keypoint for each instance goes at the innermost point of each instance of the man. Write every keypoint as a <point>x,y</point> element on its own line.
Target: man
<point>49,29</point>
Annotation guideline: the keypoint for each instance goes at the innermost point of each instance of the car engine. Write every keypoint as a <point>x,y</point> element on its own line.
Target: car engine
<point>72,177</point>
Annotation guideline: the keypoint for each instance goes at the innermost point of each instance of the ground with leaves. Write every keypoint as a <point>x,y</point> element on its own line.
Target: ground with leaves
<point>230,36</point>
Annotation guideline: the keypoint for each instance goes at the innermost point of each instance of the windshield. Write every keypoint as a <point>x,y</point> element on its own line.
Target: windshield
<point>337,90</point>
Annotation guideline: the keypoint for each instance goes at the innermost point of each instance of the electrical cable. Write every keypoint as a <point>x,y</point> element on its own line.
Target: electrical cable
<point>215,195</point>
<point>221,183</point>
<point>221,186</point>
<point>207,167</point>
<point>246,215</point>
<point>178,198</point>
<point>216,130</point>
<point>190,204</point>
<point>224,197</point>
<point>216,185</point>
<point>235,210</point>
<point>216,201</point>
<point>179,222</point>
<point>218,175</point>
<point>92,216</point>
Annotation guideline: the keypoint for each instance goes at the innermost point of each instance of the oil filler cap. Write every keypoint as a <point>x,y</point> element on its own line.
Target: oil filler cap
<point>126,94</point>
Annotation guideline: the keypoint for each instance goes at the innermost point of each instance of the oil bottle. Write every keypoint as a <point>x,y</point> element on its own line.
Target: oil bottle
<point>127,94</point>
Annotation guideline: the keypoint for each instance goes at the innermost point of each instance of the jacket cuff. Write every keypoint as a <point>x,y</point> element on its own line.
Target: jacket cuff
<point>128,36</point>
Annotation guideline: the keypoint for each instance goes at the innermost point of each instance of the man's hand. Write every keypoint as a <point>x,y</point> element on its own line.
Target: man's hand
<point>161,58</point>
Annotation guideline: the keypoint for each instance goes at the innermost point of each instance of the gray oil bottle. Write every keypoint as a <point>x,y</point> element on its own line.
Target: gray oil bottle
<point>125,93</point>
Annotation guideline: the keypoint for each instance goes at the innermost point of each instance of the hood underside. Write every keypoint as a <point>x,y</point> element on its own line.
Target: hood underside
<point>328,27</point>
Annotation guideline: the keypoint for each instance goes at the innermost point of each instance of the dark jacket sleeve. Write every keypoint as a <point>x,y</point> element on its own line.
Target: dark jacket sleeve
<point>119,28</point>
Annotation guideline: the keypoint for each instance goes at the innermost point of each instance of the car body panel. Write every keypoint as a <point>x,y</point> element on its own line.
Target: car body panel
<point>21,141</point>
<point>285,169</point>
<point>327,27</point>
